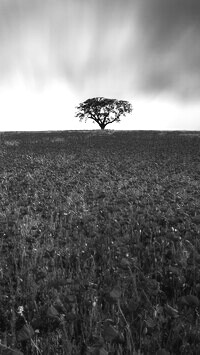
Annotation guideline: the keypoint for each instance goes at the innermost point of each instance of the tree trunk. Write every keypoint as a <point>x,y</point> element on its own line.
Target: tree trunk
<point>102,126</point>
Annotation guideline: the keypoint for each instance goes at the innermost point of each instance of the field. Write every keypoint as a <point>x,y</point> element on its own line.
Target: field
<point>100,243</point>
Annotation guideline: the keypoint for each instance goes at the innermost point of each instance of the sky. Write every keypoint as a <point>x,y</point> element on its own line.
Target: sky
<point>55,54</point>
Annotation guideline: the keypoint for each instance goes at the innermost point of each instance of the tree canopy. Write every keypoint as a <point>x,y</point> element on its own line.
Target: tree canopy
<point>102,110</point>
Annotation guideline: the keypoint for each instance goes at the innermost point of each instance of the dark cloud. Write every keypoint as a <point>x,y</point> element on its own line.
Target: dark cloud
<point>101,47</point>
<point>169,52</point>
<point>166,20</point>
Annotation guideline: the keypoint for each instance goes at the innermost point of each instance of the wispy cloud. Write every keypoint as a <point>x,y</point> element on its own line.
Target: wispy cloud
<point>146,45</point>
<point>116,48</point>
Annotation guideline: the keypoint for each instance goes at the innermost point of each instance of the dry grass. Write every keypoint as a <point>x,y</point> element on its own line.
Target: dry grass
<point>99,244</point>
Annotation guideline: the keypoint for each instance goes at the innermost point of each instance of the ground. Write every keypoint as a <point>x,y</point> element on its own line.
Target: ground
<point>100,242</point>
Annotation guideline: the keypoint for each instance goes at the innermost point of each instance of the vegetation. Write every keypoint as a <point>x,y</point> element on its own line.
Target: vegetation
<point>103,111</point>
<point>99,243</point>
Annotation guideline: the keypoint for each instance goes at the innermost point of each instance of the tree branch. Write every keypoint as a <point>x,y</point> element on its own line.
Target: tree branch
<point>112,121</point>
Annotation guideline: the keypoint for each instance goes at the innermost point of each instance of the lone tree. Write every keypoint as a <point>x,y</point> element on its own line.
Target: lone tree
<point>103,111</point>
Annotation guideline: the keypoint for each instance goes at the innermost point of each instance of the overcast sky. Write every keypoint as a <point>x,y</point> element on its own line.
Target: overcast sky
<point>55,54</point>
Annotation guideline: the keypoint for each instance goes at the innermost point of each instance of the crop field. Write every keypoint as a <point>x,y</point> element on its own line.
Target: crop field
<point>100,243</point>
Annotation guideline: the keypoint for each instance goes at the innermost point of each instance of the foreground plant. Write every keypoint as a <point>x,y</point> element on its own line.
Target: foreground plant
<point>99,243</point>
